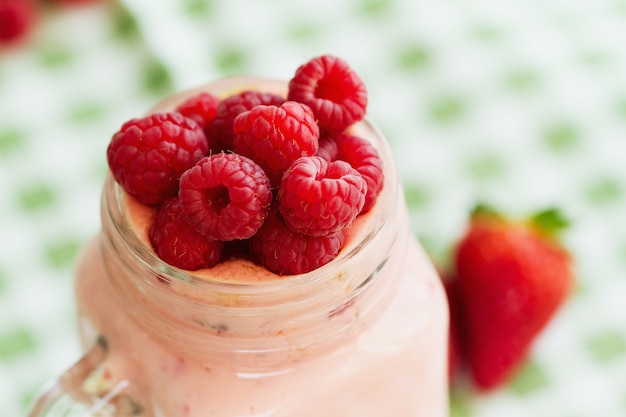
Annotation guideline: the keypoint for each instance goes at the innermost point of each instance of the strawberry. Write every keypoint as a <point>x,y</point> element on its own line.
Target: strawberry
<point>511,278</point>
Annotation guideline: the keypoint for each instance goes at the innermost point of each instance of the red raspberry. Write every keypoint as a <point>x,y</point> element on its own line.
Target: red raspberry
<point>147,156</point>
<point>335,93</point>
<point>363,157</point>
<point>318,198</point>
<point>275,136</point>
<point>17,18</point>
<point>202,109</point>
<point>178,243</point>
<point>232,106</point>
<point>285,252</point>
<point>328,148</point>
<point>226,196</point>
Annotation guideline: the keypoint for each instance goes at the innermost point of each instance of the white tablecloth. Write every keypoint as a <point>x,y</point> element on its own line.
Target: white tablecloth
<point>519,104</point>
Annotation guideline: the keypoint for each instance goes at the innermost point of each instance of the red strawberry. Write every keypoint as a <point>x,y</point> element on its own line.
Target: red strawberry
<point>512,277</point>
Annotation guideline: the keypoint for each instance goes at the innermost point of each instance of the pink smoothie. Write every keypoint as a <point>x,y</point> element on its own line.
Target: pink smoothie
<point>237,340</point>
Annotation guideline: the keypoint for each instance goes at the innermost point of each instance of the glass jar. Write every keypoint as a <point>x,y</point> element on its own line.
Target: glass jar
<point>363,336</point>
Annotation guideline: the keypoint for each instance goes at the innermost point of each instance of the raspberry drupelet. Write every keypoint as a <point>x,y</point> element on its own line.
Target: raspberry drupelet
<point>275,136</point>
<point>332,89</point>
<point>178,243</point>
<point>148,155</point>
<point>225,196</point>
<point>319,198</point>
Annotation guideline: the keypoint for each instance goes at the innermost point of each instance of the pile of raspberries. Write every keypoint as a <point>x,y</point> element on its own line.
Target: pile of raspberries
<point>275,179</point>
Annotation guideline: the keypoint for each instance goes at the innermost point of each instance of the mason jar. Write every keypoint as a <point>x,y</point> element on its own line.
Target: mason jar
<point>362,336</point>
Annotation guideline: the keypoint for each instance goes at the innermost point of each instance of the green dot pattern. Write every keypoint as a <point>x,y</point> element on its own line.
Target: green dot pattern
<point>376,7</point>
<point>86,112</point>
<point>197,8</point>
<point>231,59</point>
<point>522,79</point>
<point>412,57</point>
<point>62,253</point>
<point>3,282</point>
<point>562,137</point>
<point>124,24</point>
<point>605,191</point>
<point>485,167</point>
<point>608,346</point>
<point>444,109</point>
<point>531,378</point>
<point>157,79</point>
<point>518,105</point>
<point>37,197</point>
<point>55,55</point>
<point>11,140</point>
<point>16,342</point>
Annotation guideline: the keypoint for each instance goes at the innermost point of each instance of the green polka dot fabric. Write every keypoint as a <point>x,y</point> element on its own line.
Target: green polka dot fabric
<point>521,105</point>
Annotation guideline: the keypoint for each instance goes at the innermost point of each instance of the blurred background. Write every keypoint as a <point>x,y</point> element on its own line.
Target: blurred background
<point>521,104</point>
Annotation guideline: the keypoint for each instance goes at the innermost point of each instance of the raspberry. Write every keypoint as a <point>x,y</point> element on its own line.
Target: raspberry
<point>147,156</point>
<point>178,243</point>
<point>363,157</point>
<point>232,106</point>
<point>335,93</point>
<point>318,198</point>
<point>226,196</point>
<point>285,252</point>
<point>17,18</point>
<point>275,136</point>
<point>328,148</point>
<point>202,109</point>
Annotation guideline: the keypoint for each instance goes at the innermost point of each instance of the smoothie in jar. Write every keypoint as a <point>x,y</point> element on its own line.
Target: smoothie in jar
<point>353,323</point>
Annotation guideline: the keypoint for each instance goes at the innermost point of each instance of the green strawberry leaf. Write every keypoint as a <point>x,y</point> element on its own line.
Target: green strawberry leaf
<point>485,211</point>
<point>550,222</point>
